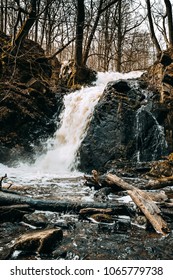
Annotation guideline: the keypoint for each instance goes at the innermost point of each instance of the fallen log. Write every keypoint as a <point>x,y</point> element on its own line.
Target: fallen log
<point>150,210</point>
<point>116,183</point>
<point>62,206</point>
<point>91,211</point>
<point>114,180</point>
<point>160,183</point>
<point>102,181</point>
<point>97,181</point>
<point>144,200</point>
<point>13,213</point>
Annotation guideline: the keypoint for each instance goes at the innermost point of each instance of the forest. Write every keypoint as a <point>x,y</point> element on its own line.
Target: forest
<point>106,35</point>
<point>86,129</point>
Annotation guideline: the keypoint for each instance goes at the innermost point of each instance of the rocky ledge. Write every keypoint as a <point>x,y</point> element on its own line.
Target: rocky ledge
<point>127,127</point>
<point>29,101</point>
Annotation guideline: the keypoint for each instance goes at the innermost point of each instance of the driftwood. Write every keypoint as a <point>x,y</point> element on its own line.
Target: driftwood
<point>160,183</point>
<point>101,181</point>
<point>91,211</point>
<point>150,210</point>
<point>7,198</point>
<point>114,181</point>
<point>144,200</point>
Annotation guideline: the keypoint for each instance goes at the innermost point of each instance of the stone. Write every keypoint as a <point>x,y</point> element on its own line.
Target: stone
<point>36,219</point>
<point>29,102</point>
<point>13,213</point>
<point>101,218</point>
<point>122,129</point>
<point>41,241</point>
<point>165,59</point>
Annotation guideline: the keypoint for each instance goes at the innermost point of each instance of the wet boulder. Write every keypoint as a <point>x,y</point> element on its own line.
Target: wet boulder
<point>41,241</point>
<point>36,219</point>
<point>14,213</point>
<point>123,128</point>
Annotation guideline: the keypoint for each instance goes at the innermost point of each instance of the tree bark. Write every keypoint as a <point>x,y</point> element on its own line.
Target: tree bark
<point>23,32</point>
<point>152,32</point>
<point>150,210</point>
<point>2,16</point>
<point>9,198</point>
<point>79,32</point>
<point>170,21</point>
<point>113,180</point>
<point>160,183</point>
<point>101,9</point>
<point>144,200</point>
<point>119,42</point>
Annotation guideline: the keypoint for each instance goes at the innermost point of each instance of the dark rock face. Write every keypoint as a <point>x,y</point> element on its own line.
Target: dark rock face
<point>159,78</point>
<point>122,129</point>
<point>150,136</point>
<point>29,101</point>
<point>25,121</point>
<point>74,76</point>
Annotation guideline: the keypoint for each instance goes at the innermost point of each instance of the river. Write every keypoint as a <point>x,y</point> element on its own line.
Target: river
<point>54,176</point>
<point>60,159</point>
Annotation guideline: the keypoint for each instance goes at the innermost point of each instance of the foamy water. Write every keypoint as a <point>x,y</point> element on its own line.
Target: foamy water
<point>79,107</point>
<point>60,160</point>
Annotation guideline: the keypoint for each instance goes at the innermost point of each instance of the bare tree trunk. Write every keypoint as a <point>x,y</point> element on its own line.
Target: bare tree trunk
<point>2,16</point>
<point>152,32</point>
<point>119,43</point>
<point>170,21</point>
<point>79,32</point>
<point>85,56</point>
<point>36,22</point>
<point>5,16</point>
<point>43,27</point>
<point>101,9</point>
<point>23,32</point>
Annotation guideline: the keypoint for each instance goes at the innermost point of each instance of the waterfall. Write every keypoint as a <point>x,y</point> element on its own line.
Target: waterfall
<point>78,110</point>
<point>79,106</point>
<point>150,137</point>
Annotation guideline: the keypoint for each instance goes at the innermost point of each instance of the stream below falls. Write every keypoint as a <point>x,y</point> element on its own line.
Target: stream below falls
<point>54,177</point>
<point>122,238</point>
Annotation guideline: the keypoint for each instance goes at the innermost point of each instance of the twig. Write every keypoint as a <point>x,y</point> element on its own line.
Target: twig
<point>1,180</point>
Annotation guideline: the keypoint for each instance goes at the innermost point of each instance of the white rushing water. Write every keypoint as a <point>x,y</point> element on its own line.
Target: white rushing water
<point>79,106</point>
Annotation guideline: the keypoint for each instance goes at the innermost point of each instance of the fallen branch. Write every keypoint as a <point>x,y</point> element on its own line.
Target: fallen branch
<point>62,206</point>
<point>144,200</point>
<point>114,180</point>
<point>160,183</point>
<point>150,210</point>
<point>1,180</point>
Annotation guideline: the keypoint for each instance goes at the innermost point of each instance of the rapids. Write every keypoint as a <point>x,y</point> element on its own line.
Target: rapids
<point>60,159</point>
<point>53,176</point>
